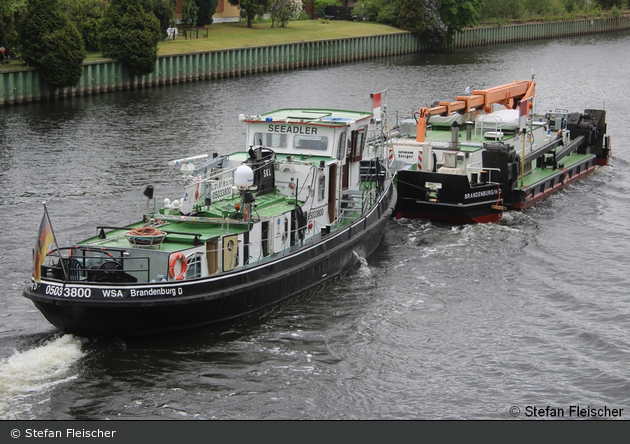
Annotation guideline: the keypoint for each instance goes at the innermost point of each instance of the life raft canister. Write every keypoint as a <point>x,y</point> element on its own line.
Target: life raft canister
<point>175,258</point>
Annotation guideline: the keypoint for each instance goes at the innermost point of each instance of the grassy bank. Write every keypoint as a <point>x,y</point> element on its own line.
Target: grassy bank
<point>236,35</point>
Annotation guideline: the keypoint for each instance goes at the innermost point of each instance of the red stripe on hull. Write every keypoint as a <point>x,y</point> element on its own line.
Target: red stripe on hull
<point>550,191</point>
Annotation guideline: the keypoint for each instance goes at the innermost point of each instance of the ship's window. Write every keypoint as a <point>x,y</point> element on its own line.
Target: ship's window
<point>194,266</point>
<point>357,143</point>
<point>270,140</point>
<point>321,188</point>
<point>341,147</point>
<point>460,161</point>
<point>450,160</point>
<point>310,143</point>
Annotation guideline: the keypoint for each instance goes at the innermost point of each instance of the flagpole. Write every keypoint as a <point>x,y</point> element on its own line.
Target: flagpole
<point>63,264</point>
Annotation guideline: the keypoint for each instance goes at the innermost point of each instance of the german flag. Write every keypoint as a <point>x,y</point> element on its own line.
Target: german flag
<point>44,240</point>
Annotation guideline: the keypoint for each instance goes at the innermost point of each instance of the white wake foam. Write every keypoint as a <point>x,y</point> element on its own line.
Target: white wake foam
<point>36,371</point>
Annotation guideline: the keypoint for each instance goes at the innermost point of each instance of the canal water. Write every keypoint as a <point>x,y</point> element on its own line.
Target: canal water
<point>442,322</point>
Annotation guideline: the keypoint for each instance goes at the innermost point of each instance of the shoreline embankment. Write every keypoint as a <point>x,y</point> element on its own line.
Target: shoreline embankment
<point>24,84</point>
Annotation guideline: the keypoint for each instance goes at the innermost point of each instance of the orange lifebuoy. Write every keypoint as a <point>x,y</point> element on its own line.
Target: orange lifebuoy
<point>175,258</point>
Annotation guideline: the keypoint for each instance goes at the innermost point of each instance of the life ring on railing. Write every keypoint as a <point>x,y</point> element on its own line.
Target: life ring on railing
<point>175,258</point>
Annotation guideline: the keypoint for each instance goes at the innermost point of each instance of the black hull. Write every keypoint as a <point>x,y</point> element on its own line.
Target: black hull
<point>202,302</point>
<point>529,196</point>
<point>456,202</point>
<point>459,202</point>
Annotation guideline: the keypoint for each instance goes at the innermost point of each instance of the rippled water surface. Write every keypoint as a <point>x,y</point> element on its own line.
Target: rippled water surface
<point>442,322</point>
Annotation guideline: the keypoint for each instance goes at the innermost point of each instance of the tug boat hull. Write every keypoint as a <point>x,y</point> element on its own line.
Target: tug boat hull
<point>194,304</point>
<point>507,158</point>
<point>307,199</point>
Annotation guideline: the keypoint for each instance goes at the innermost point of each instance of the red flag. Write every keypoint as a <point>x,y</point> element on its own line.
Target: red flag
<point>523,112</point>
<point>379,100</point>
<point>44,240</point>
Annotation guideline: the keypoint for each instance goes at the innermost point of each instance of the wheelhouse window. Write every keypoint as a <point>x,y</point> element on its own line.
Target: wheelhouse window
<point>454,159</point>
<point>194,266</point>
<point>357,144</point>
<point>321,188</point>
<point>341,147</point>
<point>270,140</point>
<point>318,143</point>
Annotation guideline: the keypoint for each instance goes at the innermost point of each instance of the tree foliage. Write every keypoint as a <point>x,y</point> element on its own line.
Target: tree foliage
<point>319,6</point>
<point>86,15</point>
<point>283,11</point>
<point>411,16</point>
<point>436,29</point>
<point>190,11</point>
<point>252,8</point>
<point>51,41</point>
<point>10,13</point>
<point>457,14</point>
<point>163,10</point>
<point>207,8</point>
<point>380,11</point>
<point>131,35</point>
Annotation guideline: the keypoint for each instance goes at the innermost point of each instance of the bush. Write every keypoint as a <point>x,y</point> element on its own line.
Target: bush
<point>282,11</point>
<point>86,15</point>
<point>190,12</point>
<point>89,32</point>
<point>131,35</point>
<point>367,10</point>
<point>207,8</point>
<point>412,16</point>
<point>163,10</point>
<point>61,65</point>
<point>319,7</point>
<point>388,13</point>
<point>51,41</point>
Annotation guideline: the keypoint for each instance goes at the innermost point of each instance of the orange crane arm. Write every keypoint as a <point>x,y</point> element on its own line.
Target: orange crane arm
<point>507,95</point>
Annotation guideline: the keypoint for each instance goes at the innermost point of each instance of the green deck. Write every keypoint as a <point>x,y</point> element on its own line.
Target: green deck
<point>539,174</point>
<point>443,134</point>
<point>218,221</point>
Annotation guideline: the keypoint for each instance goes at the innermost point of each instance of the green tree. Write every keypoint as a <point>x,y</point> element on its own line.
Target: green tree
<point>502,9</point>
<point>163,10</point>
<point>207,8</point>
<point>436,28</point>
<point>380,11</point>
<point>51,41</point>
<point>10,13</point>
<point>283,11</point>
<point>319,6</point>
<point>457,14</point>
<point>3,43</point>
<point>389,12</point>
<point>189,13</point>
<point>252,8</point>
<point>86,15</point>
<point>412,16</point>
<point>131,35</point>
